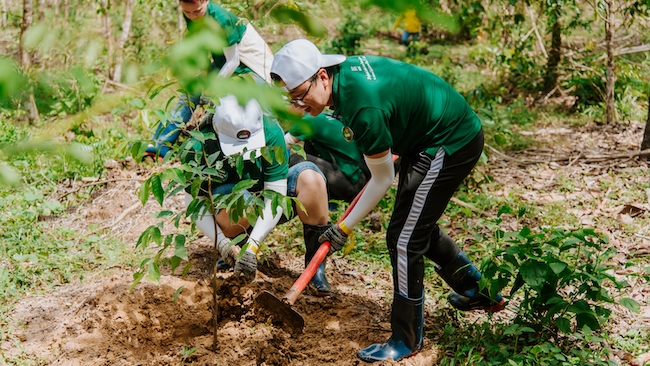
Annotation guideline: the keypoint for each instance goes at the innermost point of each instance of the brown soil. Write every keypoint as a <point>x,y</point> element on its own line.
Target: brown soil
<point>100,322</point>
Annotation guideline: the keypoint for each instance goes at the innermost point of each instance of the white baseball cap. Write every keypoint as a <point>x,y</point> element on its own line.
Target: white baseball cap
<point>239,127</point>
<point>299,60</point>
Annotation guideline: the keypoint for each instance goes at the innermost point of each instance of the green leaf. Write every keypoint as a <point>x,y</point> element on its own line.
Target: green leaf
<point>178,292</point>
<point>153,274</point>
<point>244,185</point>
<point>630,304</point>
<point>558,267</point>
<point>144,190</point>
<point>163,214</point>
<point>181,252</point>
<point>157,189</point>
<point>213,157</point>
<point>588,320</point>
<point>239,166</point>
<point>286,14</point>
<point>197,135</point>
<point>267,154</point>
<point>137,277</point>
<point>158,89</point>
<point>174,263</point>
<point>186,269</point>
<point>563,324</point>
<point>534,273</point>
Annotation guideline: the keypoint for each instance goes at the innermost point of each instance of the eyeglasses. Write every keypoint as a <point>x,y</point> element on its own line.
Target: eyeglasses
<point>300,102</point>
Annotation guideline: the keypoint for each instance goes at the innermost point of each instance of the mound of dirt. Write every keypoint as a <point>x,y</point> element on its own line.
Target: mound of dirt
<point>102,323</point>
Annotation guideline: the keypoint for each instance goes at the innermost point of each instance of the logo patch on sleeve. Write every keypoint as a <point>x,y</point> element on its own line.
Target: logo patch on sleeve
<point>348,134</point>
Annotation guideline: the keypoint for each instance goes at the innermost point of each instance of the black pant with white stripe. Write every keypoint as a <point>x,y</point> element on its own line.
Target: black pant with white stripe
<point>426,184</point>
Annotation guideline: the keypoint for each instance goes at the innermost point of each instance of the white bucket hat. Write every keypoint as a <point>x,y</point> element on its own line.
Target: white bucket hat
<point>299,60</point>
<point>239,127</point>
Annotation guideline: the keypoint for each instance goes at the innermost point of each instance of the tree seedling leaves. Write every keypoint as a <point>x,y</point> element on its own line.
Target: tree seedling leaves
<point>163,214</point>
<point>176,293</point>
<point>186,269</point>
<point>157,189</point>
<point>153,273</point>
<point>181,252</point>
<point>174,262</point>
<point>137,277</point>
<point>159,88</point>
<point>244,185</point>
<point>143,191</point>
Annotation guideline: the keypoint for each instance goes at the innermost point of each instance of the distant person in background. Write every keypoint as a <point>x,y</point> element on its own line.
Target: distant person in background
<point>412,26</point>
<point>246,54</point>
<point>340,160</point>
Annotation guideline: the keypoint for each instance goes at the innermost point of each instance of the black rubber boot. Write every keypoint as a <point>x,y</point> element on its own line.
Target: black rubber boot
<point>407,319</point>
<point>319,281</point>
<point>463,277</point>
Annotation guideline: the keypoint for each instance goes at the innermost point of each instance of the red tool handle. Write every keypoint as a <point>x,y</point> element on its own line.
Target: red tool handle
<point>318,258</point>
<point>307,274</point>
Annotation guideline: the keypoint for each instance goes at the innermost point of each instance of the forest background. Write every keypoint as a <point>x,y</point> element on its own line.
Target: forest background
<point>561,88</point>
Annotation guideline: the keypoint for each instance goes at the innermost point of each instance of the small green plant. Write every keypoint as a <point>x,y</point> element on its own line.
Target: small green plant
<point>563,277</point>
<point>186,353</point>
<point>348,40</point>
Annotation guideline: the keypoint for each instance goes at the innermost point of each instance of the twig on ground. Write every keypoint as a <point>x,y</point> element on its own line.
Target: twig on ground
<point>122,215</point>
<point>582,158</point>
<point>466,205</point>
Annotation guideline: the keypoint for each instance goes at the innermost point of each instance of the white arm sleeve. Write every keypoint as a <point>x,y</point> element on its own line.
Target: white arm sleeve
<point>290,139</point>
<point>232,61</point>
<point>382,173</point>
<point>267,221</point>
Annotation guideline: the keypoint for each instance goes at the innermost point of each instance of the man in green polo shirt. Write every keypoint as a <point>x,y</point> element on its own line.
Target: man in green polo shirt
<point>246,130</point>
<point>246,54</point>
<point>340,160</point>
<point>391,107</point>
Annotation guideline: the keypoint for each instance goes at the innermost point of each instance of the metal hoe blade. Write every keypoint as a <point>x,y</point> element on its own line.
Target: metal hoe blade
<point>283,311</point>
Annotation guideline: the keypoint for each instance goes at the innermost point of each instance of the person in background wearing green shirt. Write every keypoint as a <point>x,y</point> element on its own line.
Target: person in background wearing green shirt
<point>240,128</point>
<point>246,54</point>
<point>388,107</point>
<point>338,159</point>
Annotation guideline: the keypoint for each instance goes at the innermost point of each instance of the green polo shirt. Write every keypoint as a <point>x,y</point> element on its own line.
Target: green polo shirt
<point>258,169</point>
<point>324,132</point>
<point>233,27</point>
<point>389,104</point>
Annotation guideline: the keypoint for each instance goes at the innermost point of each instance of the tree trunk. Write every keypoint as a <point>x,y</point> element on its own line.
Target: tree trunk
<point>181,21</point>
<point>3,20</point>
<point>610,28</point>
<point>554,55</point>
<point>40,9</point>
<point>126,29</point>
<point>28,13</point>
<point>645,144</point>
<point>106,25</point>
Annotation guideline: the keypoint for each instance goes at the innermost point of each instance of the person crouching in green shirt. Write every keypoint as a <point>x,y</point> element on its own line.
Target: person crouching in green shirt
<point>391,107</point>
<point>340,160</point>
<point>245,130</point>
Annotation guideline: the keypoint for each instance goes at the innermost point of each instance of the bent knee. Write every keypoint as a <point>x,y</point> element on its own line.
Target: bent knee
<point>310,180</point>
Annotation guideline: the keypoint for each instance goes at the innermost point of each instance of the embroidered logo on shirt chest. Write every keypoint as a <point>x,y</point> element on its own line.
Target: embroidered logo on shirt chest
<point>348,134</point>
